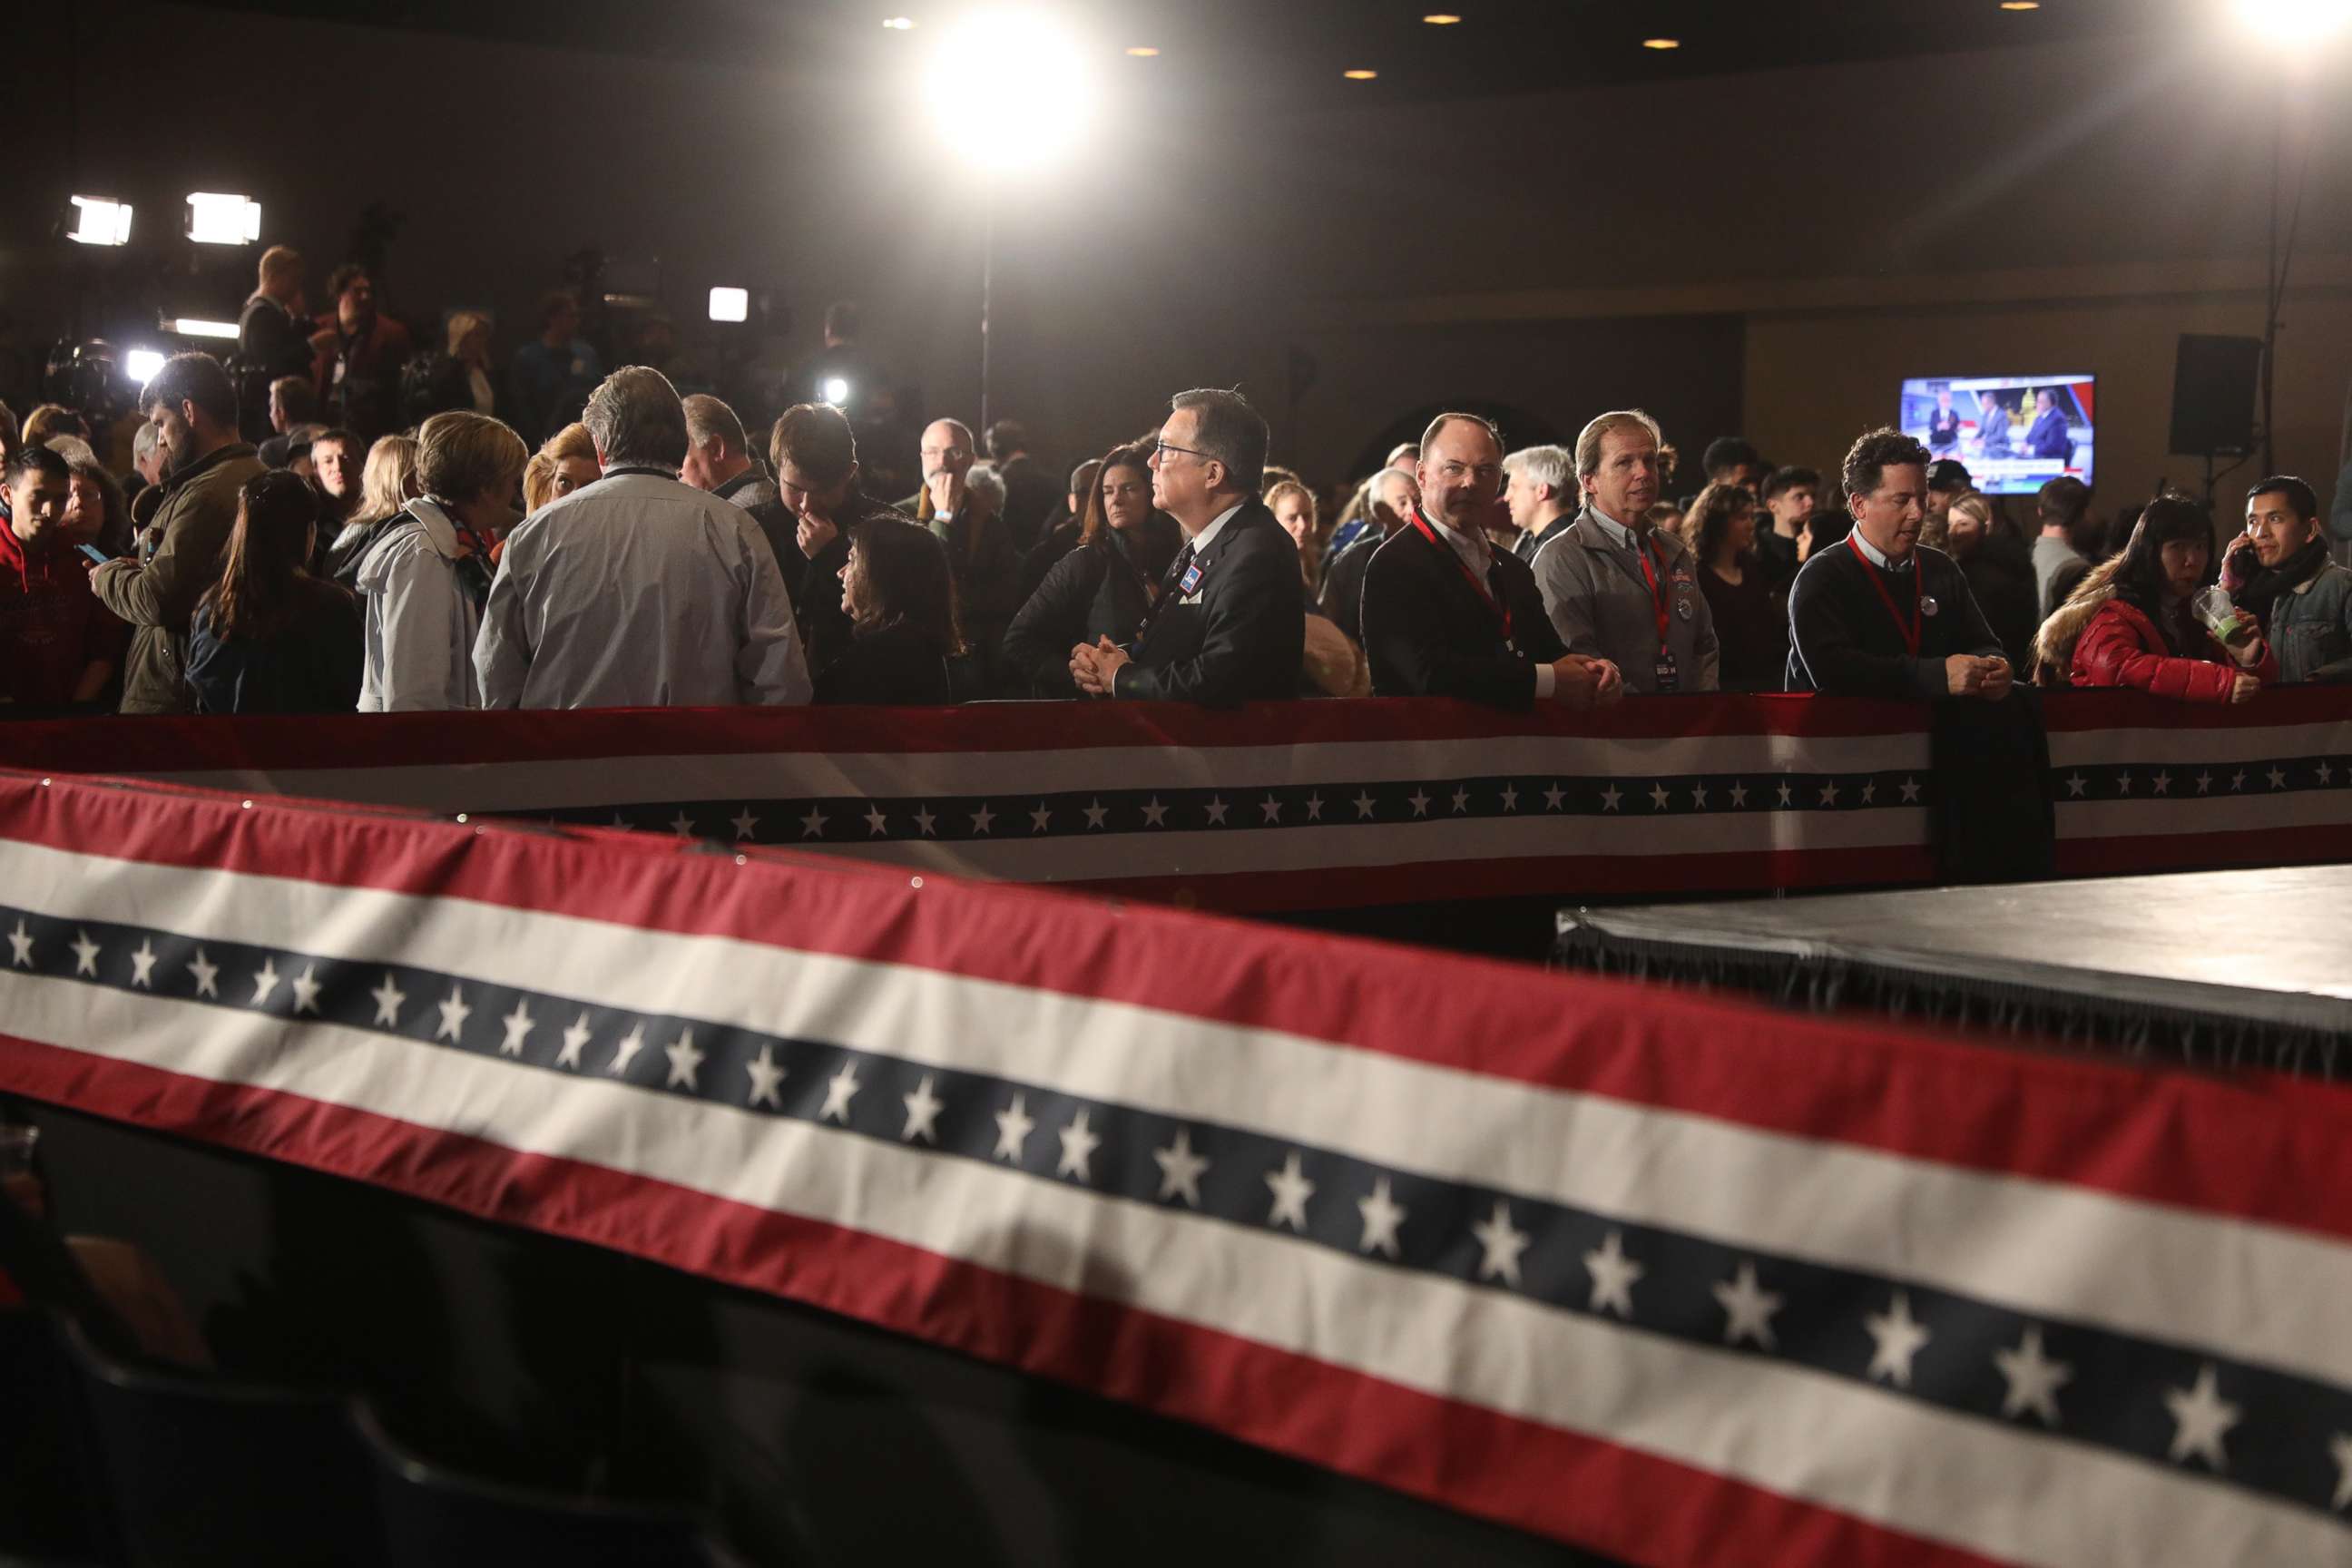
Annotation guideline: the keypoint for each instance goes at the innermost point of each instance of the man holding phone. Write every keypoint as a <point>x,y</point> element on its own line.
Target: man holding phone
<point>58,648</point>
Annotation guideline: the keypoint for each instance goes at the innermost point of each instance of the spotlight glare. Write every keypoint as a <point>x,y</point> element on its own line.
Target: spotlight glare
<point>189,326</point>
<point>102,221</point>
<point>215,219</point>
<point>2295,23</point>
<point>1361,75</point>
<point>140,365</point>
<point>1662,42</point>
<point>1010,90</point>
<point>836,390</point>
<point>730,304</point>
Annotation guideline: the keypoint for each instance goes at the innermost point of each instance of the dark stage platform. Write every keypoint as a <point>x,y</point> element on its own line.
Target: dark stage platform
<point>2250,968</point>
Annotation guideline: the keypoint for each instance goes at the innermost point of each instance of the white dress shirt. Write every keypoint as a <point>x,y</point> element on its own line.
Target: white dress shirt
<point>1477,556</point>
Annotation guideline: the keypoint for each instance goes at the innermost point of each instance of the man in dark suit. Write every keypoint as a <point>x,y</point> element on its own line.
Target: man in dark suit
<point>1448,614</point>
<point>1030,492</point>
<point>1230,621</point>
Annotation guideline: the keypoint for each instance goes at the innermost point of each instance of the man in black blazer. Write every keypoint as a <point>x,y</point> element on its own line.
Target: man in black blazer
<point>1230,621</point>
<point>1448,614</point>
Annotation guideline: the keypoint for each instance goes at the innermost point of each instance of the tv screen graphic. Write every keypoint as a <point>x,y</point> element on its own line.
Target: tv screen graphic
<point>2014,433</point>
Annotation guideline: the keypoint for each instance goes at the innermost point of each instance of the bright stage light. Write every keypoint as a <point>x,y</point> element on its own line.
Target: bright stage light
<point>1010,90</point>
<point>102,221</point>
<point>215,219</point>
<point>2295,23</point>
<point>140,365</point>
<point>189,326</point>
<point>730,304</point>
<point>836,390</point>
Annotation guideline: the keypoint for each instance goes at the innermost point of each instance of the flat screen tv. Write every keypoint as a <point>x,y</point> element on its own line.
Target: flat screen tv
<point>2013,433</point>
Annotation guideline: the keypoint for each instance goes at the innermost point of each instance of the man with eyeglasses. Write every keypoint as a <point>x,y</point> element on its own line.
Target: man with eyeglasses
<point>981,554</point>
<point>1447,612</point>
<point>1229,622</point>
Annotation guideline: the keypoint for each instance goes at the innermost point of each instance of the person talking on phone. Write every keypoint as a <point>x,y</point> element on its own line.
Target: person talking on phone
<point>1879,615</point>
<point>58,647</point>
<point>2141,620</point>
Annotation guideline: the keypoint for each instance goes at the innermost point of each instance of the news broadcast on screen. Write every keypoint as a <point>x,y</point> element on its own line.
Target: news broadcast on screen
<point>2015,433</point>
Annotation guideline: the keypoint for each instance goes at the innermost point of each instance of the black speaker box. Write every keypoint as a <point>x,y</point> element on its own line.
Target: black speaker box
<point>2214,394</point>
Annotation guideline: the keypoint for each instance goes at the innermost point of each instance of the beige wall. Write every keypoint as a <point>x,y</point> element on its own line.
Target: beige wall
<point>1817,376</point>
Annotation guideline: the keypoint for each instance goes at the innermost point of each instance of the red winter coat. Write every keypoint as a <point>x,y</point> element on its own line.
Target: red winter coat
<point>2121,646</point>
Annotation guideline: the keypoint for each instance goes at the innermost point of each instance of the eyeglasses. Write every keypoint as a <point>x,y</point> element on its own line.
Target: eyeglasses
<point>933,453</point>
<point>1163,448</point>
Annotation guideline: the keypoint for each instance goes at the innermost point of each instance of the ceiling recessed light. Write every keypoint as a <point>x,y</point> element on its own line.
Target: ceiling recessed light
<point>1441,18</point>
<point>2020,5</point>
<point>1360,75</point>
<point>1143,51</point>
<point>899,23</point>
<point>1662,42</point>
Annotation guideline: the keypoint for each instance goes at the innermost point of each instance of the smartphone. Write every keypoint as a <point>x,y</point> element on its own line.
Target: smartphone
<point>95,554</point>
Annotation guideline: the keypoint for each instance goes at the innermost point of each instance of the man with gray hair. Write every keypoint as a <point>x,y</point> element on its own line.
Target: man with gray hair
<point>719,459</point>
<point>638,591</point>
<point>1617,588</point>
<point>1541,492</point>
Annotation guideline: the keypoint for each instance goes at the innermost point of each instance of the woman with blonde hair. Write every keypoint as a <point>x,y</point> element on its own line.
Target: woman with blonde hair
<point>1292,505</point>
<point>567,462</point>
<point>387,484</point>
<point>429,572</point>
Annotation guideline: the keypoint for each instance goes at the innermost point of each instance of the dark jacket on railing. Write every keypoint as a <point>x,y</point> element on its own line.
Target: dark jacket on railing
<point>1098,590</point>
<point>1429,633</point>
<point>1240,635</point>
<point>896,665</point>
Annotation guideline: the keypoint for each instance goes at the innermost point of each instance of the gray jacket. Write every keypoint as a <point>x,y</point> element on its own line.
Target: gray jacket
<point>1599,603</point>
<point>2311,628</point>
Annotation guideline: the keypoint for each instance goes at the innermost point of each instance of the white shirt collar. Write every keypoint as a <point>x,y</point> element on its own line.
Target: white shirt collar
<point>1201,540</point>
<point>1475,551</point>
<point>1616,532</point>
<point>1870,552</point>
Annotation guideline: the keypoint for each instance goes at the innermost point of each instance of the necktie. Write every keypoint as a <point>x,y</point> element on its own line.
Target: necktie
<point>1176,570</point>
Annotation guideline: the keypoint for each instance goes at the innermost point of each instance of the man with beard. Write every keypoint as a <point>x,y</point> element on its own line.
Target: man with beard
<point>359,355</point>
<point>1616,588</point>
<point>192,405</point>
<point>1446,613</point>
<point>2279,571</point>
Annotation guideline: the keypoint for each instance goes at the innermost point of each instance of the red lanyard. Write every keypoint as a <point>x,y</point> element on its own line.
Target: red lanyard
<point>1463,566</point>
<point>1657,589</point>
<point>1909,629</point>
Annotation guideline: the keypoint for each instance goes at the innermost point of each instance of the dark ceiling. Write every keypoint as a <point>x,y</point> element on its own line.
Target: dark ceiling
<point>1295,50</point>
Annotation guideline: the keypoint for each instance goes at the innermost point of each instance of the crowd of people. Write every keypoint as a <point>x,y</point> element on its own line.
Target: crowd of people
<point>653,553</point>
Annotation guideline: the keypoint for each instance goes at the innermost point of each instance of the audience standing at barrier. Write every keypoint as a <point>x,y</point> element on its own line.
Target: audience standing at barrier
<point>814,453</point>
<point>387,485</point>
<point>1446,613</point>
<point>1390,497</point>
<point>1230,620</point>
<point>192,406</point>
<point>1999,569</point>
<point>980,547</point>
<point>719,459</point>
<point>268,636</point>
<point>1103,589</point>
<point>2279,571</point>
<point>1790,497</point>
<point>565,462</point>
<point>899,596</point>
<point>2139,620</point>
<point>1751,622</point>
<point>1877,615</point>
<point>2062,552</point>
<point>1617,588</point>
<point>1541,495</point>
<point>58,647</point>
<point>1292,505</point>
<point>427,577</point>
<point>638,591</point>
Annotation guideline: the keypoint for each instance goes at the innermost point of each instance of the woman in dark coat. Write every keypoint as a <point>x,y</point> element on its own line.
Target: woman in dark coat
<point>1752,623</point>
<point>899,596</point>
<point>1103,587</point>
<point>269,637</point>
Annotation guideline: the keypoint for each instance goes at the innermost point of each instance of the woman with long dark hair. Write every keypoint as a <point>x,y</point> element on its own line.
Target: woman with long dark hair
<point>1752,628</point>
<point>900,598</point>
<point>1104,586</point>
<point>2131,622</point>
<point>269,637</point>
